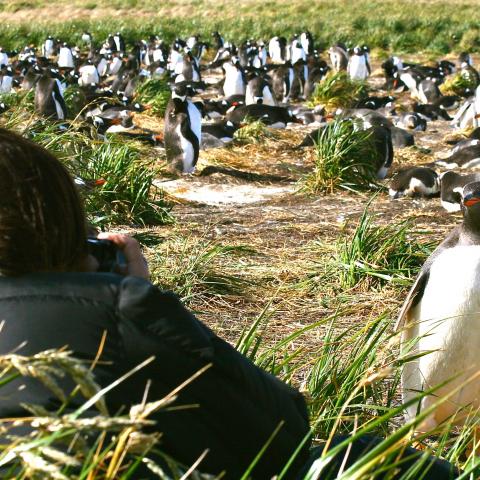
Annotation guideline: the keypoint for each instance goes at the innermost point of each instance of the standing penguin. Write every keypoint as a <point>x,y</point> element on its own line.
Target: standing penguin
<point>234,83</point>
<point>88,74</point>
<point>49,101</point>
<point>183,131</point>
<point>339,57</point>
<point>358,67</point>
<point>440,322</point>
<point>259,91</point>
<point>6,80</point>
<point>48,47</point>
<point>65,57</point>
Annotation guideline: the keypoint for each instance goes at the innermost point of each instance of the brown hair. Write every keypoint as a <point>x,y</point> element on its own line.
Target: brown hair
<point>42,221</point>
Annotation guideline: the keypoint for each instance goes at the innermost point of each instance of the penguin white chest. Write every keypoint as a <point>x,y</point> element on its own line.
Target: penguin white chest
<point>447,322</point>
<point>357,68</point>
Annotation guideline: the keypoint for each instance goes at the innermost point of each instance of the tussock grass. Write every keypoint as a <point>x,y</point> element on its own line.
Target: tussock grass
<point>198,269</point>
<point>457,85</point>
<point>156,93</point>
<point>378,254</point>
<point>255,131</point>
<point>337,90</point>
<point>345,158</point>
<point>127,193</point>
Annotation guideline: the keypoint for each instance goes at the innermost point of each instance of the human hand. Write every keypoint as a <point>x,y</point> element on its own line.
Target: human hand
<point>137,265</point>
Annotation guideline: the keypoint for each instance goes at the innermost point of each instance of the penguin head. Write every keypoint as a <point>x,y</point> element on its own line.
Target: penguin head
<point>471,198</point>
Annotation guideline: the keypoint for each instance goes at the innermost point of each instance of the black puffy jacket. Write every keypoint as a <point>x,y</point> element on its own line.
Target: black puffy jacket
<point>238,406</point>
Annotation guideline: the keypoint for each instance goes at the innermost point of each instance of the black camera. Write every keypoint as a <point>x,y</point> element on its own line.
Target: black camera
<point>108,256</point>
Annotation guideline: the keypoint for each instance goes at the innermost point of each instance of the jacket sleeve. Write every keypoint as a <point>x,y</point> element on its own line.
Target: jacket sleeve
<point>234,406</point>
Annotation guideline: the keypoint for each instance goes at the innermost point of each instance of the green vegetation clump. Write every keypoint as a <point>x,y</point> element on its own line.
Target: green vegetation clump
<point>254,131</point>
<point>345,158</point>
<point>457,84</point>
<point>118,174</point>
<point>155,93</point>
<point>337,90</point>
<point>378,254</point>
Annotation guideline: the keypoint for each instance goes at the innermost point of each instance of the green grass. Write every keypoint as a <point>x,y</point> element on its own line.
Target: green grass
<point>254,131</point>
<point>197,269</point>
<point>156,93</point>
<point>127,193</point>
<point>437,26</point>
<point>345,159</point>
<point>336,90</point>
<point>378,254</point>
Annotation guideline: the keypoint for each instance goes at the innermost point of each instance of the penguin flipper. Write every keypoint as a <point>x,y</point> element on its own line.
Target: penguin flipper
<point>413,298</point>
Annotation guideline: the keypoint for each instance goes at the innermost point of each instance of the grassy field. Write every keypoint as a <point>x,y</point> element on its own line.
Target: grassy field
<point>306,280</point>
<point>400,26</point>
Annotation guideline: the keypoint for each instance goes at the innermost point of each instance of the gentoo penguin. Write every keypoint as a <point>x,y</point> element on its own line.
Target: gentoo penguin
<point>119,43</point>
<point>183,131</point>
<point>411,121</point>
<point>48,47</point>
<point>468,157</point>
<point>190,70</point>
<point>31,77</point>
<point>469,142</point>
<point>6,80</point>
<point>87,38</point>
<point>452,184</point>
<point>390,67</point>
<point>306,40</point>
<point>224,131</point>
<point>314,77</point>
<point>282,79</point>
<point>65,57</point>
<point>339,57</point>
<point>217,135</point>
<point>430,111</point>
<point>3,57</point>
<point>218,40</point>
<point>440,323</point>
<point>415,182</point>
<point>276,117</point>
<point>277,49</point>
<point>49,100</point>
<point>401,138</point>
<point>381,139</point>
<point>368,117</point>
<point>88,74</point>
<point>234,83</point>
<point>428,91</point>
<point>358,67</point>
<point>259,91</point>
<point>465,57</point>
<point>374,103</point>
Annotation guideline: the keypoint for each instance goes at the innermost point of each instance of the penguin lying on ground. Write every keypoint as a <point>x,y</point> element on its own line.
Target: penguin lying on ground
<point>430,111</point>
<point>415,182</point>
<point>401,138</point>
<point>276,117</point>
<point>411,121</point>
<point>441,319</point>
<point>452,184</point>
<point>468,157</point>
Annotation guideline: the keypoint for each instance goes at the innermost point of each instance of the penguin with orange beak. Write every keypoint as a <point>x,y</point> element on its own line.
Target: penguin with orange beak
<point>440,324</point>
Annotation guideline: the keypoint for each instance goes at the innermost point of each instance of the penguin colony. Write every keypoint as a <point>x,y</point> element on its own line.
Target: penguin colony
<point>270,82</point>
